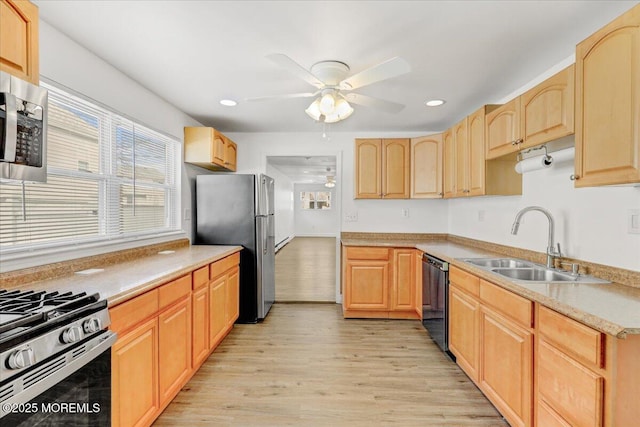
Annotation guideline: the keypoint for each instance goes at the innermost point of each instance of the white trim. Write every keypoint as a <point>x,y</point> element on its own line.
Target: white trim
<point>317,235</point>
<point>51,255</point>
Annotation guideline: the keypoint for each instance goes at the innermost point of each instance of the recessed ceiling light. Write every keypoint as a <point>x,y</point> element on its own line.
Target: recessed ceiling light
<point>228,102</point>
<point>435,102</point>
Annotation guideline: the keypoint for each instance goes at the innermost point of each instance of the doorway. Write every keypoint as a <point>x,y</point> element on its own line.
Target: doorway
<point>307,227</point>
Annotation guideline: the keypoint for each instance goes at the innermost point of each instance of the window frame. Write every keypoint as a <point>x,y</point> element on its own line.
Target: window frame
<point>108,181</point>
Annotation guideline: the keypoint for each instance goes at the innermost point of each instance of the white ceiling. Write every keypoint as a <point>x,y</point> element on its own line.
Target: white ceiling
<point>305,169</point>
<point>194,53</point>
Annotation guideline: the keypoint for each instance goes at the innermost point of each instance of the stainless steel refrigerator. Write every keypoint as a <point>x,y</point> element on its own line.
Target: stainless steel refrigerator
<point>234,209</point>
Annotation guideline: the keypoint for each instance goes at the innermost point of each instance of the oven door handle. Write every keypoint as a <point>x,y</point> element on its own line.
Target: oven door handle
<point>10,127</point>
<point>21,395</point>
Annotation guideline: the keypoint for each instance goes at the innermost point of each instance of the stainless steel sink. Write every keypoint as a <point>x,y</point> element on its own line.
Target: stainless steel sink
<point>535,274</point>
<point>528,272</point>
<point>498,262</point>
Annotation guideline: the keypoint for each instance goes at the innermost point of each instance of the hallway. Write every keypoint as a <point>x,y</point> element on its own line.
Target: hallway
<point>306,270</point>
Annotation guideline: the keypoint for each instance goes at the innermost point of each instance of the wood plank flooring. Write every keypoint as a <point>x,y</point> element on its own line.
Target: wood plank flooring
<point>306,270</point>
<point>307,366</point>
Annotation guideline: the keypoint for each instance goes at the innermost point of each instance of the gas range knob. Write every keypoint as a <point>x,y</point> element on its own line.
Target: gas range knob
<point>21,358</point>
<point>92,325</point>
<point>71,335</point>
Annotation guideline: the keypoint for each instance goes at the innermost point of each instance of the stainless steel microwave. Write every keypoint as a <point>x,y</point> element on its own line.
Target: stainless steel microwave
<point>23,130</point>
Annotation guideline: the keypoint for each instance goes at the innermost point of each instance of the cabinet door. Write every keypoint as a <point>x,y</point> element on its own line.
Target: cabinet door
<point>460,137</point>
<point>174,351</point>
<point>396,164</point>
<point>233,289</point>
<point>608,104</point>
<point>571,390</point>
<point>403,294</point>
<point>449,164</point>
<point>368,158</point>
<point>231,155</point>
<point>200,326</point>
<point>503,129</point>
<point>547,109</point>
<point>219,150</point>
<point>476,163</point>
<point>19,40</point>
<point>134,362</point>
<point>464,331</point>
<point>217,310</point>
<point>367,285</point>
<point>506,376</point>
<point>426,167</point>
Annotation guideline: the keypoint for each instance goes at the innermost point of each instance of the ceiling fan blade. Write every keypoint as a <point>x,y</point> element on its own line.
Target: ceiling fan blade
<point>285,96</point>
<point>392,68</point>
<point>296,69</point>
<point>378,104</point>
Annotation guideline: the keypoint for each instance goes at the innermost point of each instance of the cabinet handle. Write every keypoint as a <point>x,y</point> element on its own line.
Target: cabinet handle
<point>574,177</point>
<point>440,194</point>
<point>513,142</point>
<point>519,141</point>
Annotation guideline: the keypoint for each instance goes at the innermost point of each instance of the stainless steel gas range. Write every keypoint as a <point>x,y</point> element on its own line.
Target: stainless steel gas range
<point>55,359</point>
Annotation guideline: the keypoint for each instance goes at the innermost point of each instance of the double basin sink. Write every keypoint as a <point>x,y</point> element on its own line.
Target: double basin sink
<point>528,272</point>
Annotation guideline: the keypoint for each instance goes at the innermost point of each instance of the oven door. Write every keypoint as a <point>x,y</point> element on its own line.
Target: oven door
<point>81,398</point>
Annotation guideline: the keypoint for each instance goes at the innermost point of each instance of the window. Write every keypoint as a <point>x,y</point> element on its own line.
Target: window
<point>107,178</point>
<point>316,199</point>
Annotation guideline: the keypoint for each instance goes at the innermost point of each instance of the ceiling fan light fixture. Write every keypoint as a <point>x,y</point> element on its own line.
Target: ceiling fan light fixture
<point>329,184</point>
<point>313,110</point>
<point>228,102</point>
<point>327,104</point>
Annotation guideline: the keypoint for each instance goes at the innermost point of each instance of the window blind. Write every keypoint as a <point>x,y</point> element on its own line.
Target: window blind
<point>108,178</point>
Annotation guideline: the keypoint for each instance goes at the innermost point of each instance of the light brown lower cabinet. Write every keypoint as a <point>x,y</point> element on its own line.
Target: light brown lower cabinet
<point>163,338</point>
<point>380,282</point>
<point>537,366</point>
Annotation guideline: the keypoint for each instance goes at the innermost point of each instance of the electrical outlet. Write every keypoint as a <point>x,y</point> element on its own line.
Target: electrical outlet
<point>633,221</point>
<point>187,215</point>
<point>405,213</point>
<point>351,217</point>
<point>480,216</point>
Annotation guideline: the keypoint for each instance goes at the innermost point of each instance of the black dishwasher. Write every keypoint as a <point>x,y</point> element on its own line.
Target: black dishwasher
<point>435,300</point>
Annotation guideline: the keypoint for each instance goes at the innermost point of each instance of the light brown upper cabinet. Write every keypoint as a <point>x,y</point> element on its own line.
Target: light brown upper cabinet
<point>547,110</point>
<point>19,39</point>
<point>542,114</point>
<point>608,104</point>
<point>466,173</point>
<point>208,148</point>
<point>426,167</point>
<point>503,130</point>
<point>382,168</point>
<point>449,164</point>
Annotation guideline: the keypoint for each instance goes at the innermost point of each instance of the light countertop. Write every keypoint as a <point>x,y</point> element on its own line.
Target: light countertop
<point>611,308</point>
<point>120,282</point>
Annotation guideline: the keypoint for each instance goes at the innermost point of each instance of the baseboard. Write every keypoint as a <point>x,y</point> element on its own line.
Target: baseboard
<point>318,235</point>
<point>283,243</point>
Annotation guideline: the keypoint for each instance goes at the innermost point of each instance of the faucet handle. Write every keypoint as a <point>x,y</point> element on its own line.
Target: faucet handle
<point>575,267</point>
<point>554,252</point>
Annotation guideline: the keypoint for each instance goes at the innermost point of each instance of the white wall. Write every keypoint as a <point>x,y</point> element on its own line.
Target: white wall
<point>316,222</point>
<point>425,216</point>
<point>283,200</point>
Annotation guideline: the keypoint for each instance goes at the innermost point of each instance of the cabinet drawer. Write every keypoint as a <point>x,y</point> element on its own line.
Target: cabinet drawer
<point>175,290</point>
<point>219,267</point>
<point>134,311</point>
<point>200,277</point>
<point>573,391</point>
<point>464,280</point>
<point>572,337</point>
<point>368,253</point>
<point>547,417</point>
<point>510,304</point>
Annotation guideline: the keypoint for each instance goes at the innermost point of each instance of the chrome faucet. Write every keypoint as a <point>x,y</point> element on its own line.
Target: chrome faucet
<point>552,252</point>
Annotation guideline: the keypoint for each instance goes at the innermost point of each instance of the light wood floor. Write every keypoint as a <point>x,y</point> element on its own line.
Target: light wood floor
<point>307,366</point>
<point>306,270</point>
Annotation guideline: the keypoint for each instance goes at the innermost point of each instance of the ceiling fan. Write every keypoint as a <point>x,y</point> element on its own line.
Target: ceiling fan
<point>334,87</point>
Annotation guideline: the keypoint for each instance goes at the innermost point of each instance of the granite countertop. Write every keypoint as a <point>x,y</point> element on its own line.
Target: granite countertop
<point>128,279</point>
<point>612,308</point>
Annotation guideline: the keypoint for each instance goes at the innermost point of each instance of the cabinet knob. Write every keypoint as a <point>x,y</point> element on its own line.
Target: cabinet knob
<point>440,194</point>
<point>574,177</point>
<point>519,141</point>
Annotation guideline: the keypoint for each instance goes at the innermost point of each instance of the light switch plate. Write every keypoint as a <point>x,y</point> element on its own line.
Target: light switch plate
<point>351,217</point>
<point>633,221</point>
